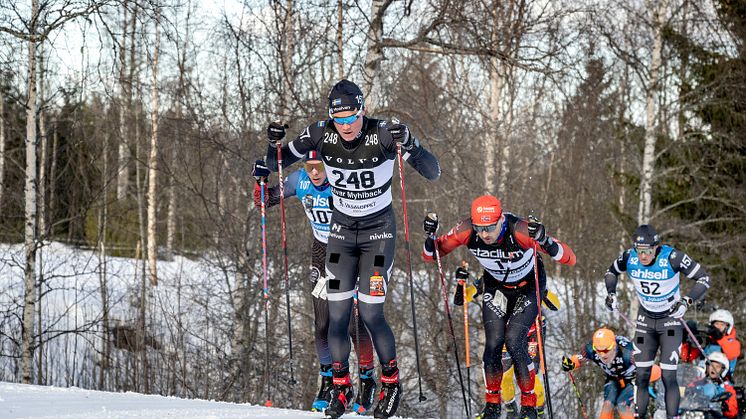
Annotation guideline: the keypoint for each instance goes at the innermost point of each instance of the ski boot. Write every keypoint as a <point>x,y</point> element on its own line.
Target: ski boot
<point>540,412</point>
<point>528,412</point>
<point>511,408</point>
<point>388,399</point>
<point>341,394</point>
<point>366,397</point>
<point>322,399</point>
<point>490,411</point>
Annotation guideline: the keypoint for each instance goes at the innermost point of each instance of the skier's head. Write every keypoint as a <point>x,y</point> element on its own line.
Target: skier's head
<point>717,366</point>
<point>314,167</point>
<point>604,344</point>
<point>646,242</point>
<point>487,218</point>
<point>722,320</point>
<point>346,108</point>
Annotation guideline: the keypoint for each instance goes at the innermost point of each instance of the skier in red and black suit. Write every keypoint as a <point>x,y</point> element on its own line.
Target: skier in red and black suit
<point>504,245</point>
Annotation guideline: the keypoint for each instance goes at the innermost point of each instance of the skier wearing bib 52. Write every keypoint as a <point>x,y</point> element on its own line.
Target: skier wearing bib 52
<point>504,245</point>
<point>358,155</point>
<point>311,187</point>
<point>654,270</point>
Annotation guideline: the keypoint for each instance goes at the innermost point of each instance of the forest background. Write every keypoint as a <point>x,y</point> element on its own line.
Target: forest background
<point>128,128</point>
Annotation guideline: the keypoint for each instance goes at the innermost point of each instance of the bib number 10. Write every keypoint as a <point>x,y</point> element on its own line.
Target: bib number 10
<point>355,180</point>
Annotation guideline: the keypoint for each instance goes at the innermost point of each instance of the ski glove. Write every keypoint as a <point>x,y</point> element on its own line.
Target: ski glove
<point>260,171</point>
<point>537,231</point>
<point>275,132</point>
<point>611,302</point>
<point>401,135</point>
<point>461,275</point>
<point>430,224</point>
<point>679,308</point>
<point>567,364</point>
<point>713,333</point>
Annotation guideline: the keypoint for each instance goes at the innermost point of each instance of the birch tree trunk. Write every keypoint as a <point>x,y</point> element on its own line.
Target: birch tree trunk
<point>648,158</point>
<point>125,92</point>
<point>373,56</point>
<point>153,158</point>
<point>42,139</point>
<point>2,150</point>
<point>27,347</point>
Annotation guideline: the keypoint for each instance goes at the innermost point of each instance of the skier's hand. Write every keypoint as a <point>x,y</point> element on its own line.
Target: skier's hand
<point>400,134</point>
<point>537,231</point>
<point>260,171</point>
<point>567,364</point>
<point>276,132</point>
<point>462,275</point>
<point>679,308</point>
<point>713,333</point>
<point>611,302</point>
<point>430,224</point>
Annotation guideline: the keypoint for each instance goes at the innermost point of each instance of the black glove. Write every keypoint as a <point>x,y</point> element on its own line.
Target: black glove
<point>430,224</point>
<point>567,364</point>
<point>275,132</point>
<point>462,275</point>
<point>260,171</point>
<point>537,231</point>
<point>611,302</point>
<point>713,333</point>
<point>401,135</point>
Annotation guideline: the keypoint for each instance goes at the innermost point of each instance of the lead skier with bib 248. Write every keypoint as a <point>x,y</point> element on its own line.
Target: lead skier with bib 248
<point>358,155</point>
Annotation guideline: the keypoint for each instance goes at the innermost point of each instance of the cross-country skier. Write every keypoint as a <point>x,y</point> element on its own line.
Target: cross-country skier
<point>358,155</point>
<point>311,187</point>
<point>654,270</point>
<point>615,356</point>
<point>504,245</point>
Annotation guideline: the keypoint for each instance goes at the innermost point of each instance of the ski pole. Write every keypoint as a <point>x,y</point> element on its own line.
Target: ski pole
<point>265,292</point>
<point>626,319</point>
<point>448,314</point>
<point>577,393</point>
<point>357,341</point>
<point>465,265</point>
<point>409,266</point>
<point>285,257</point>
<point>694,339</point>
<point>539,336</point>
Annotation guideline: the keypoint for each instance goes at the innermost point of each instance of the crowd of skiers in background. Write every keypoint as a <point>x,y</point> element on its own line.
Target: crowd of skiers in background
<point>345,190</point>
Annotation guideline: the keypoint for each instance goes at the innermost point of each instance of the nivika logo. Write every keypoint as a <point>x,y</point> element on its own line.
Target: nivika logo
<point>381,236</point>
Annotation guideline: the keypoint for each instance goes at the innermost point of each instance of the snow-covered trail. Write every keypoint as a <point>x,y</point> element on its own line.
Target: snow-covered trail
<point>30,401</point>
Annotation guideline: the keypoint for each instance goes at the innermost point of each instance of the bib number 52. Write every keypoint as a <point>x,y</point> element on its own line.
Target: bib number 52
<point>650,288</point>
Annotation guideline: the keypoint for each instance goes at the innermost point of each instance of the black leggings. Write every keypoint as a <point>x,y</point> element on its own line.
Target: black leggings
<point>358,333</point>
<point>652,333</point>
<point>360,251</point>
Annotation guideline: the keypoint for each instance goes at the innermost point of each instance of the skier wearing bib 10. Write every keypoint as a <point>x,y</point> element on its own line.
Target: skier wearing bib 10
<point>654,270</point>
<point>311,187</point>
<point>358,155</point>
<point>504,245</point>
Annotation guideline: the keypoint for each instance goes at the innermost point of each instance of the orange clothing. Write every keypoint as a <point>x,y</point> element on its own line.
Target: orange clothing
<point>730,345</point>
<point>731,404</point>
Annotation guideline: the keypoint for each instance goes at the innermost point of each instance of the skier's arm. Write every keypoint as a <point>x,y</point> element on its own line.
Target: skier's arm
<point>424,162</point>
<point>559,251</point>
<point>681,262</point>
<point>293,151</point>
<point>617,267</point>
<point>458,236</point>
